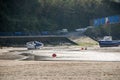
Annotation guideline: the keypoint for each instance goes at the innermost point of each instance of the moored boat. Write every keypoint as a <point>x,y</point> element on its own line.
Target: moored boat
<point>108,42</point>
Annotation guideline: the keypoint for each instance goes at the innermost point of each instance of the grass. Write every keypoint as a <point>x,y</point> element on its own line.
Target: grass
<point>87,44</point>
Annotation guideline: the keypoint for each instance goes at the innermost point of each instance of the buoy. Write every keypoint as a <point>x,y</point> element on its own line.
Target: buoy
<point>54,55</point>
<point>85,48</point>
<point>82,48</point>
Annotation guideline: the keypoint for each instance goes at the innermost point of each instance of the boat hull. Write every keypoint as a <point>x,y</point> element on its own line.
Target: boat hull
<point>113,43</point>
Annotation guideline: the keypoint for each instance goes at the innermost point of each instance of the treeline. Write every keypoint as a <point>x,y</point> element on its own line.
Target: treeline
<point>52,15</point>
<point>106,30</point>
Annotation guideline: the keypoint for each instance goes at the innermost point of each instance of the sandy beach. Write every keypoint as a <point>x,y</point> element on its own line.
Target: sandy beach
<point>12,69</point>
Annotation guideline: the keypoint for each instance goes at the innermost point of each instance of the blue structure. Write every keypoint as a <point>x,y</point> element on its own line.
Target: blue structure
<point>110,20</point>
<point>12,34</point>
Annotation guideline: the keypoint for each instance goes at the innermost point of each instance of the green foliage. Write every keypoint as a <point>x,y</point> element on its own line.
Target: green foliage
<point>115,31</point>
<point>106,30</point>
<point>51,15</point>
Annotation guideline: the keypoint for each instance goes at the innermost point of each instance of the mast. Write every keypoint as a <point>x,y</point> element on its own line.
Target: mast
<point>107,22</point>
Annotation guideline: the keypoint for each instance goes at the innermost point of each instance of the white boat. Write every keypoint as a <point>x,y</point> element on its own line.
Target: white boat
<point>34,45</point>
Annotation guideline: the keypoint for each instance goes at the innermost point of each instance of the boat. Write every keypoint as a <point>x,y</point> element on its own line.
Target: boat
<point>108,42</point>
<point>34,45</point>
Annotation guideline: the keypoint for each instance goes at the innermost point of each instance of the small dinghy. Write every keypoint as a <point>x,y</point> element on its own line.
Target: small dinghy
<point>34,45</point>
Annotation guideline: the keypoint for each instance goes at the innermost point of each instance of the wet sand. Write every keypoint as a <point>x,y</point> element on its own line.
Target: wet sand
<point>12,69</point>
